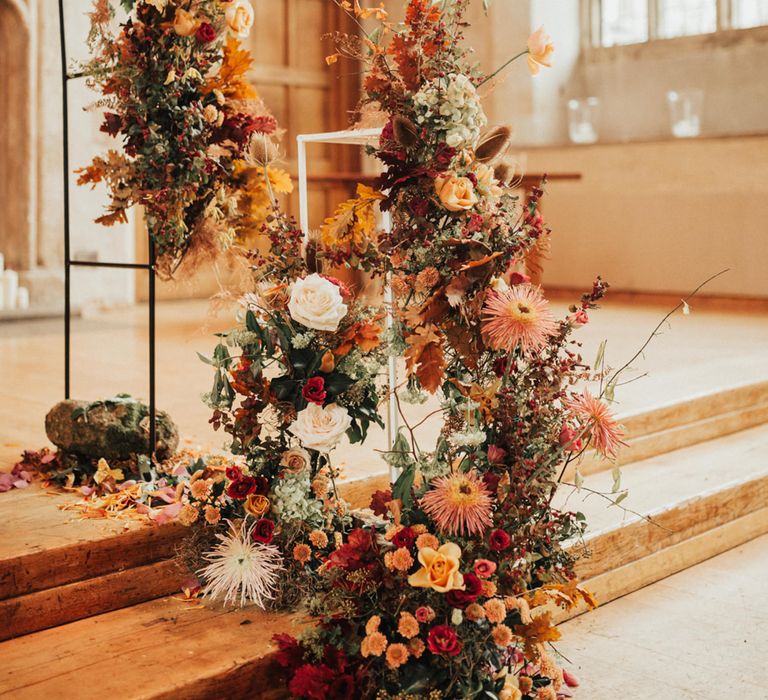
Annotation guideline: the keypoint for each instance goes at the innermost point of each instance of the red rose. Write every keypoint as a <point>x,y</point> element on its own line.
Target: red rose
<point>473,587</point>
<point>498,540</point>
<point>311,681</point>
<point>442,640</point>
<point>263,531</point>
<point>242,488</point>
<point>234,473</point>
<point>496,454</point>
<point>404,538</point>
<point>205,33</point>
<point>262,486</point>
<point>314,390</point>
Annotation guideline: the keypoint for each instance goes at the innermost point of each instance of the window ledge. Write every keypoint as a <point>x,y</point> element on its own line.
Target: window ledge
<point>661,48</point>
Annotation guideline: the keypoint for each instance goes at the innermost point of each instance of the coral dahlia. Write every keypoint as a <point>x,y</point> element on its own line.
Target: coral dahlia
<point>518,317</point>
<point>459,504</point>
<point>596,419</point>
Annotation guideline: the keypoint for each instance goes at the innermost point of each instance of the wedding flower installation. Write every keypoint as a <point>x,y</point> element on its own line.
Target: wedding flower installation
<point>447,586</point>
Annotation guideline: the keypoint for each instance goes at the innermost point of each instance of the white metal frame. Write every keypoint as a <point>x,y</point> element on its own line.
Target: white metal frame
<point>354,137</point>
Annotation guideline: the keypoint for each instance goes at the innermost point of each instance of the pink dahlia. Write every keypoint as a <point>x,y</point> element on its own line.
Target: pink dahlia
<point>518,316</point>
<point>459,504</point>
<point>597,422</point>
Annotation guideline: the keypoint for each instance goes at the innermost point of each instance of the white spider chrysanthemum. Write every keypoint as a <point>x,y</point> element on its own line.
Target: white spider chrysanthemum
<point>241,568</point>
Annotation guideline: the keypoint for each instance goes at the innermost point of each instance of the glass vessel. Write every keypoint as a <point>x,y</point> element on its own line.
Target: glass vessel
<point>685,108</point>
<point>583,117</point>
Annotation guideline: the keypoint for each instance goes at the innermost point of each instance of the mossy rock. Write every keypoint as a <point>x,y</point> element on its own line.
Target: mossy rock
<point>116,428</point>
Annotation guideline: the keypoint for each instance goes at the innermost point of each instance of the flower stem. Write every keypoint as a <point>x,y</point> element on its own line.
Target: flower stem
<point>502,67</point>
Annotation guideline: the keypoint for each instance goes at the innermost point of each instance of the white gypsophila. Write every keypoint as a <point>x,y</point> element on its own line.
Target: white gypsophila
<point>302,340</point>
<point>317,303</point>
<point>292,499</point>
<point>452,105</point>
<point>241,571</point>
<point>321,427</point>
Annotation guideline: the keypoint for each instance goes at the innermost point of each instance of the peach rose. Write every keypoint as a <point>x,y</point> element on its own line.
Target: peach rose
<point>455,193</point>
<point>295,460</point>
<point>486,182</point>
<point>239,17</point>
<point>185,23</point>
<point>540,48</point>
<point>440,569</point>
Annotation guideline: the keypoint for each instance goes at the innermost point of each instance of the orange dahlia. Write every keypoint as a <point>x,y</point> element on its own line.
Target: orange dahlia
<point>518,317</point>
<point>459,504</point>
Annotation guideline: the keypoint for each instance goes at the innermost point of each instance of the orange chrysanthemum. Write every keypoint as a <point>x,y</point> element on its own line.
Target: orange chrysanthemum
<point>518,317</point>
<point>459,504</point>
<point>597,422</point>
<point>302,553</point>
<point>502,635</point>
<point>397,655</point>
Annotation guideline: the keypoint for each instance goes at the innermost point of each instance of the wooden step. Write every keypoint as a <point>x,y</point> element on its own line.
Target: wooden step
<point>55,567</point>
<point>704,499</point>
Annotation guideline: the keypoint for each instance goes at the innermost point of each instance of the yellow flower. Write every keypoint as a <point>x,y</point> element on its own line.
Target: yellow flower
<point>280,180</point>
<point>474,612</point>
<point>402,559</point>
<point>239,17</point>
<point>318,539</point>
<point>185,23</point>
<point>440,569</point>
<point>455,193</point>
<point>373,624</point>
<point>256,505</point>
<point>427,540</point>
<point>540,48</point>
<point>416,647</point>
<point>302,553</point>
<point>373,645</point>
<point>495,610</point>
<point>188,515</point>
<point>212,515</point>
<point>502,635</point>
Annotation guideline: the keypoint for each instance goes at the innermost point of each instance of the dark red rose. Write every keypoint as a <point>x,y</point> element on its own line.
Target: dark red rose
<point>263,531</point>
<point>312,682</point>
<point>354,554</point>
<point>205,33</point>
<point>343,688</point>
<point>498,540</point>
<point>404,538</point>
<point>314,390</point>
<point>473,587</point>
<point>242,488</point>
<point>442,640</point>
<point>234,473</point>
<point>518,278</point>
<point>262,485</point>
<point>491,481</point>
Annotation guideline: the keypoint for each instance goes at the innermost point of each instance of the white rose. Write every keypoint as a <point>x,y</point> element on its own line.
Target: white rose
<point>320,428</point>
<point>317,303</point>
<point>239,17</point>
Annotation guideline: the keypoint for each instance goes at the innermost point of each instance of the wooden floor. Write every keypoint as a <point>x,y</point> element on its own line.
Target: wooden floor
<point>698,635</point>
<point>694,354</point>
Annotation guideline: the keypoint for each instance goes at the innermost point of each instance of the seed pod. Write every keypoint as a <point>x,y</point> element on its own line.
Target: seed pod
<point>405,131</point>
<point>493,143</point>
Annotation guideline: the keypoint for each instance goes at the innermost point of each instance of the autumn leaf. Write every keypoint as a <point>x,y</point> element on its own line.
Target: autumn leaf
<point>363,334</point>
<point>118,216</point>
<point>424,357</point>
<point>231,78</point>
<point>538,631</point>
<point>353,222</point>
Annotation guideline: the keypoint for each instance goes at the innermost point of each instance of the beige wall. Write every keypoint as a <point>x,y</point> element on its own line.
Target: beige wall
<point>660,216</point>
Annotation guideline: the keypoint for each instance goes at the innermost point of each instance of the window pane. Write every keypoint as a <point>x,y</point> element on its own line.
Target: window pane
<point>623,22</point>
<point>686,17</point>
<point>750,13</point>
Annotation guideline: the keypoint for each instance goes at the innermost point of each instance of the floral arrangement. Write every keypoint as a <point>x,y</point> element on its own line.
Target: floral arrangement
<point>450,593</point>
<point>173,80</point>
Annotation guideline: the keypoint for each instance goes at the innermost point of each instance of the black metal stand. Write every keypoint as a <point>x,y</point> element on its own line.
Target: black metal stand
<point>69,263</point>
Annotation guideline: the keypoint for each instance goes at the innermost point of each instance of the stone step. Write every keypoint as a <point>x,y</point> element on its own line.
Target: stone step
<point>56,567</point>
<point>703,500</point>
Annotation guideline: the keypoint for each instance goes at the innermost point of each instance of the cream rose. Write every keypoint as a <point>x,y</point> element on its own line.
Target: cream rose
<point>185,23</point>
<point>486,182</point>
<point>295,460</point>
<point>317,303</point>
<point>540,48</point>
<point>239,17</point>
<point>320,428</point>
<point>455,193</point>
<point>440,569</point>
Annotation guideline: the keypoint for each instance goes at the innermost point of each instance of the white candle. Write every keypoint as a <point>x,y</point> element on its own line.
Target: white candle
<point>22,298</point>
<point>2,263</point>
<point>10,288</point>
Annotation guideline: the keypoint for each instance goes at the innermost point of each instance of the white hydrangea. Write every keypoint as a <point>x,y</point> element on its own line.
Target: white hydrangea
<point>452,105</point>
<point>293,499</point>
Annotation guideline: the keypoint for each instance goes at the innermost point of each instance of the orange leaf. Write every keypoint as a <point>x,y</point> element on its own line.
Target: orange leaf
<point>424,357</point>
<point>538,631</point>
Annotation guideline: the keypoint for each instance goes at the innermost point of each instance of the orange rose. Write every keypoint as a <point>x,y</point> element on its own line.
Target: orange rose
<point>185,23</point>
<point>440,569</point>
<point>540,48</point>
<point>455,193</point>
<point>256,505</point>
